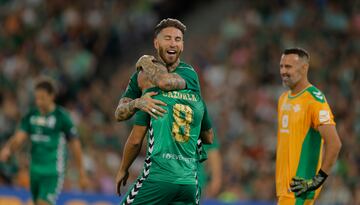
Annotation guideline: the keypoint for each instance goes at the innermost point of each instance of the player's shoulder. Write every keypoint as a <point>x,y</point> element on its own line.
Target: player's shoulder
<point>315,94</point>
<point>32,111</point>
<point>183,65</point>
<point>283,95</point>
<point>134,75</point>
<point>61,111</point>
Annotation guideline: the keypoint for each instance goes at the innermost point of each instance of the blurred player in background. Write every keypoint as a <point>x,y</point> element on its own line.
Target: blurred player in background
<point>48,127</point>
<point>305,125</point>
<point>170,169</point>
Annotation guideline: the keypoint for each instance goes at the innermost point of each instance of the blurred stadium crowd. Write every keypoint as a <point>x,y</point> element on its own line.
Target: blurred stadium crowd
<point>90,48</point>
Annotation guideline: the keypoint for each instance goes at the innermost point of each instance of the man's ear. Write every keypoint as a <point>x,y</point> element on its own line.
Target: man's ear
<point>156,43</point>
<point>306,67</point>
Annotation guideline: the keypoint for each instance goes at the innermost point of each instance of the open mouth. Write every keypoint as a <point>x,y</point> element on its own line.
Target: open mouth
<point>171,52</point>
<point>285,77</point>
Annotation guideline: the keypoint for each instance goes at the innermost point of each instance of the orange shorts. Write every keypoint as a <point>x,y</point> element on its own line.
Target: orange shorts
<point>294,201</point>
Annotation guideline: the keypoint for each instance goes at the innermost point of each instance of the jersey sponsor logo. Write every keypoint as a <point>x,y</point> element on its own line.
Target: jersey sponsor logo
<point>286,107</point>
<point>170,156</point>
<point>39,138</point>
<point>289,107</point>
<point>43,121</point>
<point>324,116</point>
<point>318,95</point>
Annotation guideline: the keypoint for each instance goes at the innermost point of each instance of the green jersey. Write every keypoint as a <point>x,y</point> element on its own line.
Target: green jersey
<point>48,134</point>
<point>172,140</point>
<point>184,70</point>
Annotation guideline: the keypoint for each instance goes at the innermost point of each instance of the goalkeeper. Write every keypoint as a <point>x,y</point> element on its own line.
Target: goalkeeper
<point>305,126</point>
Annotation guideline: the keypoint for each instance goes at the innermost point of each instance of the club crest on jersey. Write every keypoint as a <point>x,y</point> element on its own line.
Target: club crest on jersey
<point>296,108</point>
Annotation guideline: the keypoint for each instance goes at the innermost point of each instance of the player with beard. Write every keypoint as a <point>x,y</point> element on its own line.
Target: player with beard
<point>169,44</point>
<point>305,126</point>
<point>170,168</point>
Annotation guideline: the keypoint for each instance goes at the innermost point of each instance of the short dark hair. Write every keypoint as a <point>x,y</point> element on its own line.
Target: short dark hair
<point>169,22</point>
<point>47,84</point>
<point>302,53</point>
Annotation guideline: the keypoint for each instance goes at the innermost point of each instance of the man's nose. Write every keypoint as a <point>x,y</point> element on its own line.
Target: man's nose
<point>282,70</point>
<point>172,43</point>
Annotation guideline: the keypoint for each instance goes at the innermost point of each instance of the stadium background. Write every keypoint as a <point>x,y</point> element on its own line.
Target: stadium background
<point>90,48</point>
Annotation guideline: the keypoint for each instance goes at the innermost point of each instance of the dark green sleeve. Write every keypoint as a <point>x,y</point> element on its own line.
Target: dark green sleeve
<point>214,145</point>
<point>68,127</point>
<point>25,124</point>
<point>132,91</point>
<point>206,122</point>
<point>142,118</point>
<point>191,78</point>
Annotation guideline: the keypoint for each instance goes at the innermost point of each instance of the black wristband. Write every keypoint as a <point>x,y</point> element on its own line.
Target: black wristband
<point>322,174</point>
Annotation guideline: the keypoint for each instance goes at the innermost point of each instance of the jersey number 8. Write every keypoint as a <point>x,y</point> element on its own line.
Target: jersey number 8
<point>183,116</point>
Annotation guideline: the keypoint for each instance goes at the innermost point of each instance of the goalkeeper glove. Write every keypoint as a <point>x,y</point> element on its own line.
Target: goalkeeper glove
<point>300,185</point>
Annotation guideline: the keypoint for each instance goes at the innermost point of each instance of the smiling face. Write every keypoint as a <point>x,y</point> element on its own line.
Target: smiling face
<point>293,71</point>
<point>169,45</point>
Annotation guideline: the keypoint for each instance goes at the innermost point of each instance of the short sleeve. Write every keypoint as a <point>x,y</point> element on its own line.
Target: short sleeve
<point>191,78</point>
<point>321,114</point>
<point>142,118</point>
<point>215,145</point>
<point>132,91</point>
<point>206,122</point>
<point>68,127</point>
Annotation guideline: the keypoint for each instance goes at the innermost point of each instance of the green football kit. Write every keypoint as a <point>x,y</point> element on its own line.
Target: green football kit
<point>48,135</point>
<point>171,164</point>
<point>192,83</point>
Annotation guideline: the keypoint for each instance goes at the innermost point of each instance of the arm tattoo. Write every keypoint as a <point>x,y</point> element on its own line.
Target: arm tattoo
<point>171,81</point>
<point>125,109</point>
<point>166,81</point>
<point>158,74</point>
<point>155,73</point>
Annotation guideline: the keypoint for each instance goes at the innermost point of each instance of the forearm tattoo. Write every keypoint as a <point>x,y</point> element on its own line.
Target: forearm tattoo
<point>125,109</point>
<point>173,81</point>
<point>155,73</point>
<point>164,80</point>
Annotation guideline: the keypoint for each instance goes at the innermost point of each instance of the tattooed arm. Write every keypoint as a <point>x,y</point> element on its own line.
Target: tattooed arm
<point>125,109</point>
<point>166,81</point>
<point>127,106</point>
<point>158,74</point>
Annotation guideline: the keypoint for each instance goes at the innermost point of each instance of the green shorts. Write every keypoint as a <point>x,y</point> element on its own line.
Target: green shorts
<point>46,188</point>
<point>156,192</point>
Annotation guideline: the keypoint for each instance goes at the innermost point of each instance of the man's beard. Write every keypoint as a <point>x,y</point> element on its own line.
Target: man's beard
<point>163,53</point>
